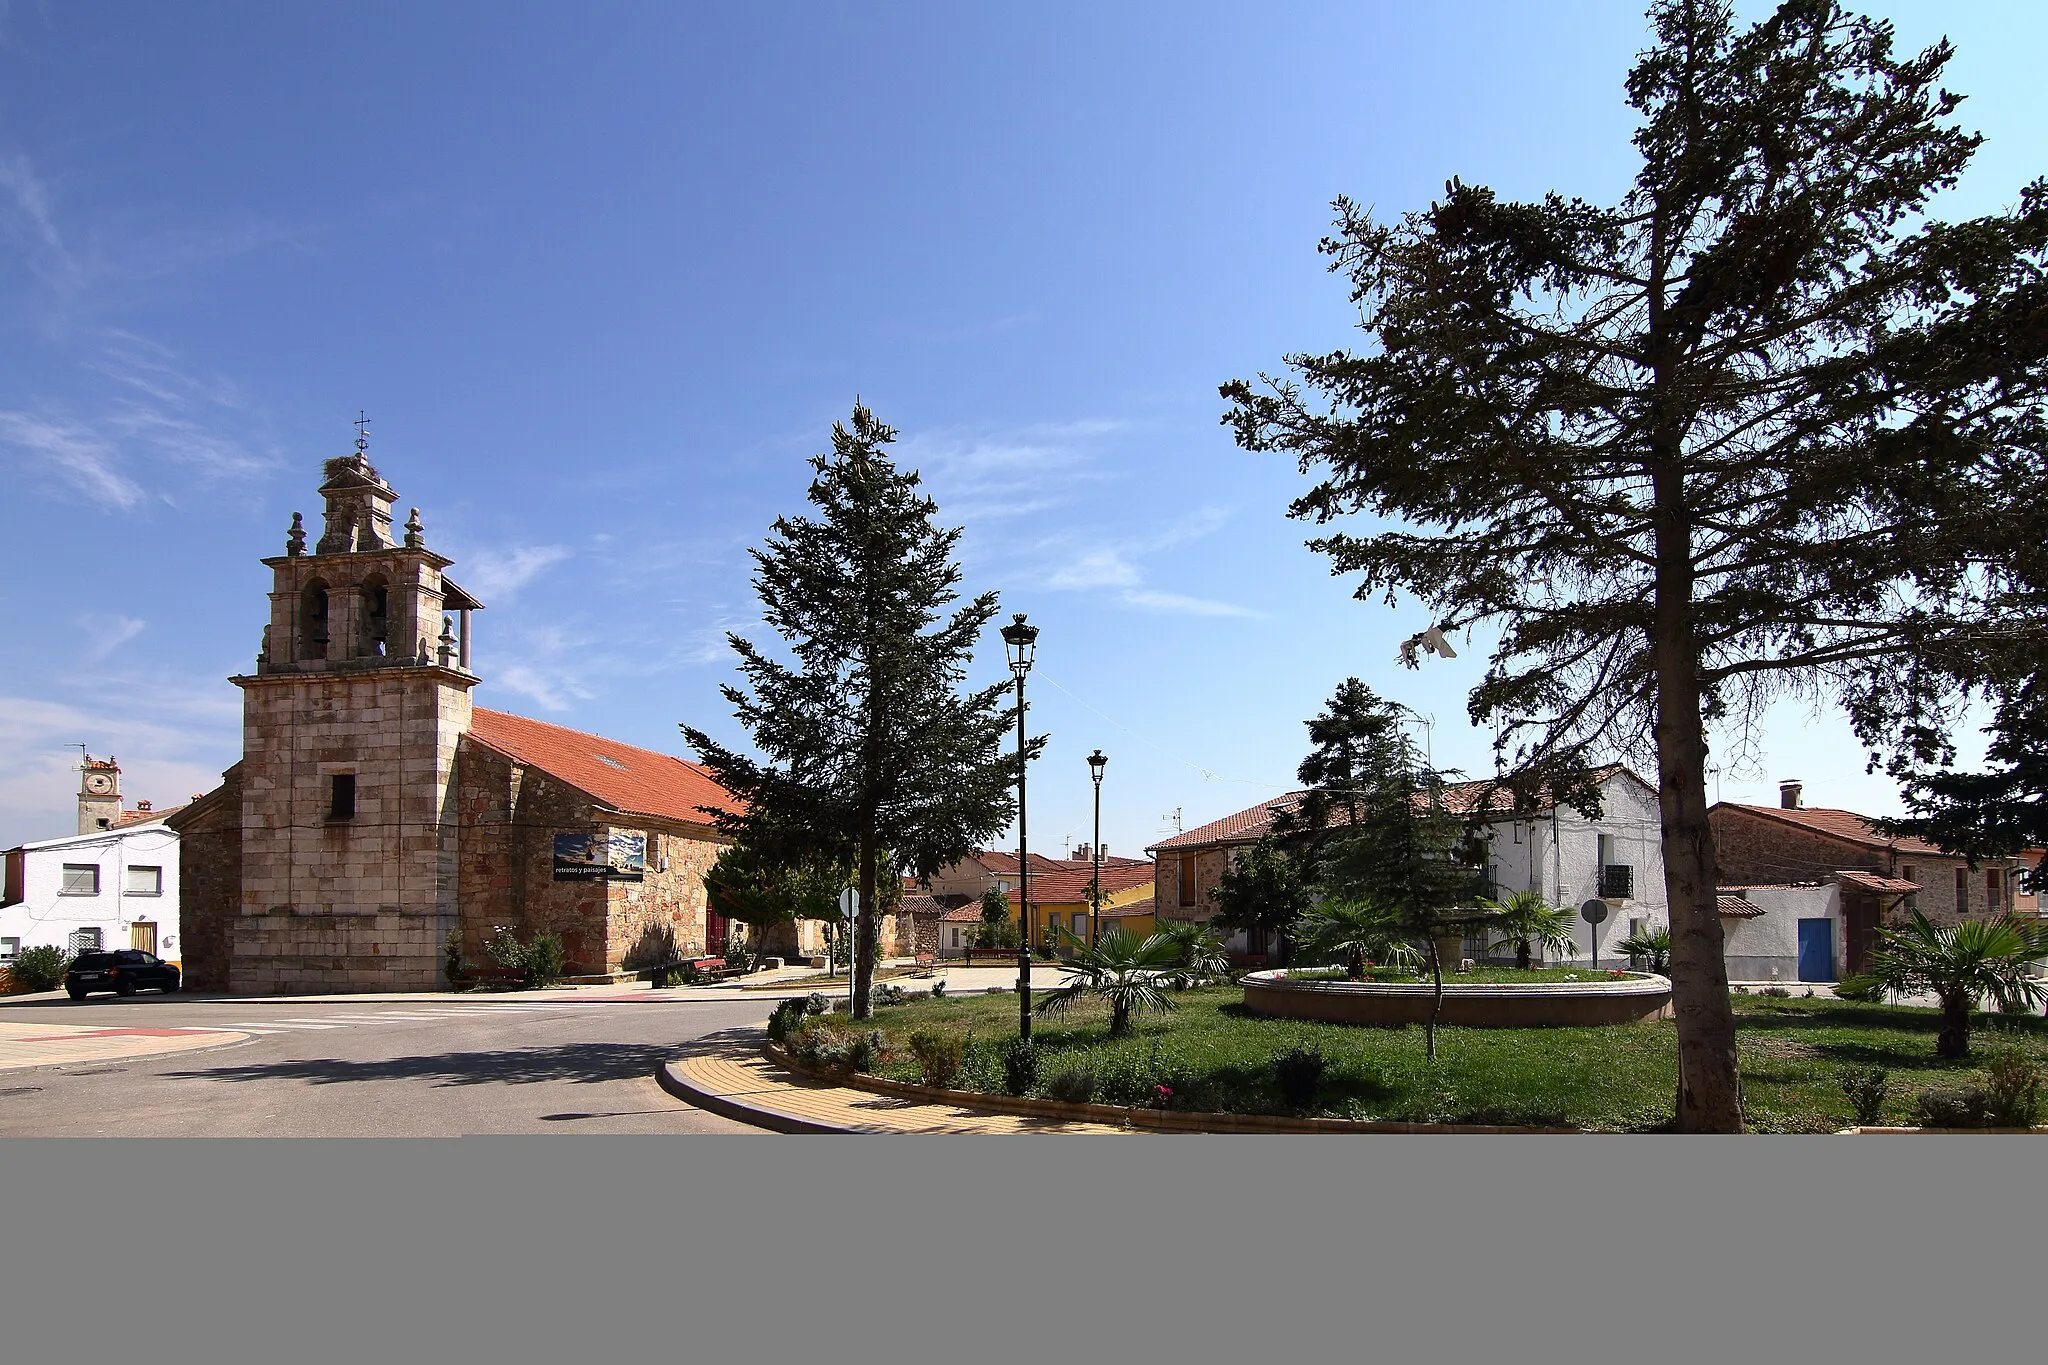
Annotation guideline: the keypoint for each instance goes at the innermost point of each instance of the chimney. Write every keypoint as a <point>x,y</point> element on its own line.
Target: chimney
<point>142,806</point>
<point>1788,794</point>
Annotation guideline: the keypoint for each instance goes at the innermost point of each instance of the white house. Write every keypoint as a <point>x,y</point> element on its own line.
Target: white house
<point>114,884</point>
<point>1573,859</point>
<point>1616,859</point>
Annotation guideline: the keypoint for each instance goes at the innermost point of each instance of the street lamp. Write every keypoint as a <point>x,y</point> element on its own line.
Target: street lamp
<point>1096,761</point>
<point>1022,642</point>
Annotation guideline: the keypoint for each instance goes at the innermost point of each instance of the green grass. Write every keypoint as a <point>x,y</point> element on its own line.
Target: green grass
<point>1215,1056</point>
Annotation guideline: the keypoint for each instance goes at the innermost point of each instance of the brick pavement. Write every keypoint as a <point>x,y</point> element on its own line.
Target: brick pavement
<point>25,1045</point>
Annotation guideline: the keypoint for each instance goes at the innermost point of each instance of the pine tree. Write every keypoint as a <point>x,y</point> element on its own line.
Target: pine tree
<point>1759,426</point>
<point>873,757</point>
<point>1262,891</point>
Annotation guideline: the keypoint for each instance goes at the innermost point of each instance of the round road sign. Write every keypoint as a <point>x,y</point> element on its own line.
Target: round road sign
<point>1593,912</point>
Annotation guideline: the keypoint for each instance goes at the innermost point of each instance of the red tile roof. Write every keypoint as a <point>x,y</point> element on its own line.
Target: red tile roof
<point>1736,907</point>
<point>1845,825</point>
<point>632,780</point>
<point>1069,885</point>
<point>1143,907</point>
<point>1244,827</point>
<point>140,816</point>
<point>918,905</point>
<point>1868,881</point>
<point>963,914</point>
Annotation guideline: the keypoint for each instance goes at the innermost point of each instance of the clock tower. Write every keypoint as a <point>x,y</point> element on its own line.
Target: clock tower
<point>99,794</point>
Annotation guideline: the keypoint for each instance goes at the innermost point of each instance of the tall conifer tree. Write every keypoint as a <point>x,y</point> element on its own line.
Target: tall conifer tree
<point>1759,425</point>
<point>873,757</point>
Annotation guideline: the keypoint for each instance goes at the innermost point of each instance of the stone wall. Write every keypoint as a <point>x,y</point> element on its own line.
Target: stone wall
<point>209,883</point>
<point>672,893</point>
<point>1755,850</point>
<point>386,877</point>
<point>1210,865</point>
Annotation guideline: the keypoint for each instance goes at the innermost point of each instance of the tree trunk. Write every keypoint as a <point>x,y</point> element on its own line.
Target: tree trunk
<point>1436,1003</point>
<point>1119,1020</point>
<point>1954,1038</point>
<point>1709,1092</point>
<point>864,927</point>
<point>1522,954</point>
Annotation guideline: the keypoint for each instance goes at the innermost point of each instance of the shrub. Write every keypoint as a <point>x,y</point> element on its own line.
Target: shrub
<point>887,993</point>
<point>1865,987</point>
<point>738,955</point>
<point>1131,1077</point>
<point>1299,1071</point>
<point>2014,1087</point>
<point>815,1003</point>
<point>830,1048</point>
<point>938,1053</point>
<point>1073,1086</point>
<point>1776,992</point>
<point>789,1015</point>
<point>1020,1066</point>
<point>1966,1108</point>
<point>40,968</point>
<point>452,965</point>
<point>546,959</point>
<point>939,989</point>
<point>1866,1088</point>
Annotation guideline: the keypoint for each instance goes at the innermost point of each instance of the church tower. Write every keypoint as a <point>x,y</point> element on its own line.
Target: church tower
<point>99,794</point>
<point>350,725</point>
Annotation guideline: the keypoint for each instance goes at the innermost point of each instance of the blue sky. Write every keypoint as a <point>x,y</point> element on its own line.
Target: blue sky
<point>603,277</point>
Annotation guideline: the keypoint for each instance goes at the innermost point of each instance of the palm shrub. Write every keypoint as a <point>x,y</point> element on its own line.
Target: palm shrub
<point>40,968</point>
<point>1353,932</point>
<point>1960,963</point>
<point>1203,958</point>
<point>1650,946</point>
<point>1525,920</point>
<point>1131,976</point>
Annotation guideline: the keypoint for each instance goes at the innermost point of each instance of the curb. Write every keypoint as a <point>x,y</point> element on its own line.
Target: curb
<point>678,1088</point>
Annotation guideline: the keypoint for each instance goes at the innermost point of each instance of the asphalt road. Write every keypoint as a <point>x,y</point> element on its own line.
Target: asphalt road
<point>513,1063</point>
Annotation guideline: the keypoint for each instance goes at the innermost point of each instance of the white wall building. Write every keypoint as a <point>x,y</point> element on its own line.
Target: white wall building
<point>1617,859</point>
<point>112,885</point>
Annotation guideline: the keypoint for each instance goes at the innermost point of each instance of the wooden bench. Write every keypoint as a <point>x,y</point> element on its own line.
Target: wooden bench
<point>925,964</point>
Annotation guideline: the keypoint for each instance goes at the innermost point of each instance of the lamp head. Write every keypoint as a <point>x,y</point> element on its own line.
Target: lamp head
<point>1096,761</point>
<point>1022,642</point>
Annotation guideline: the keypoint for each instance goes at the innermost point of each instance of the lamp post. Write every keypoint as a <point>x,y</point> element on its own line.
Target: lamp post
<point>1096,762</point>
<point>1022,642</point>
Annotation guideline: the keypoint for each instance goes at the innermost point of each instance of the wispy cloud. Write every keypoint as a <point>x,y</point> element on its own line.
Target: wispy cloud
<point>498,575</point>
<point>28,216</point>
<point>108,633</point>
<point>1113,568</point>
<point>990,476</point>
<point>76,455</point>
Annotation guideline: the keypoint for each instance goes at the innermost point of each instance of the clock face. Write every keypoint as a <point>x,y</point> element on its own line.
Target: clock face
<point>99,784</point>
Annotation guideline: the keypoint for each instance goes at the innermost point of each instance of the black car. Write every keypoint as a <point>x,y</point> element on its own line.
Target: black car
<point>124,973</point>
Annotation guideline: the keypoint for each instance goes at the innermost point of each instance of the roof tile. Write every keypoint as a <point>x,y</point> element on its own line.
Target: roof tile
<point>632,780</point>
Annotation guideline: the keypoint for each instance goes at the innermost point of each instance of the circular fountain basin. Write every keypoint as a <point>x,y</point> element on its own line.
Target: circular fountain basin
<point>1600,999</point>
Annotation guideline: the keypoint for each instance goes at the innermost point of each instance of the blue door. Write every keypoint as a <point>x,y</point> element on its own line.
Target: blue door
<point>1816,950</point>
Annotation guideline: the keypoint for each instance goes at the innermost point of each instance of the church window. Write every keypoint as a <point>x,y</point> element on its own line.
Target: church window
<point>313,621</point>
<point>341,796</point>
<point>374,614</point>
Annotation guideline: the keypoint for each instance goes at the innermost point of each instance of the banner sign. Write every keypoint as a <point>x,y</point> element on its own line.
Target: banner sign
<point>591,857</point>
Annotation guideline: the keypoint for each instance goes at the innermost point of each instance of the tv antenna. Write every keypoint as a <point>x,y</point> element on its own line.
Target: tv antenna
<point>1173,815</point>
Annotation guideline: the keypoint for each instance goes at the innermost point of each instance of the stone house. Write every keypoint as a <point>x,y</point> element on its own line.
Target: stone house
<point>1571,858</point>
<point>1877,877</point>
<point>376,810</point>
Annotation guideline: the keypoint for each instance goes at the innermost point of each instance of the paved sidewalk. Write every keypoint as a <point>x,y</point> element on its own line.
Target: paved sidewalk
<point>728,1075</point>
<point>23,1046</point>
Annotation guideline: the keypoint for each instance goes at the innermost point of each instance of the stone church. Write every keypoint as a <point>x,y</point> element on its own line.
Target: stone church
<point>375,809</point>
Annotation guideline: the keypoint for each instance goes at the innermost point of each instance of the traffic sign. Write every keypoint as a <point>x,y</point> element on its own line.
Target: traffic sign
<point>1593,912</point>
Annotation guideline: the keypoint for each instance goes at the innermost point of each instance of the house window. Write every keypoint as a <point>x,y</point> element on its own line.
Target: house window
<point>1187,879</point>
<point>1912,901</point>
<point>85,941</point>
<point>81,879</point>
<point>145,881</point>
<point>1992,900</point>
<point>10,949</point>
<point>1962,892</point>
<point>341,796</point>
